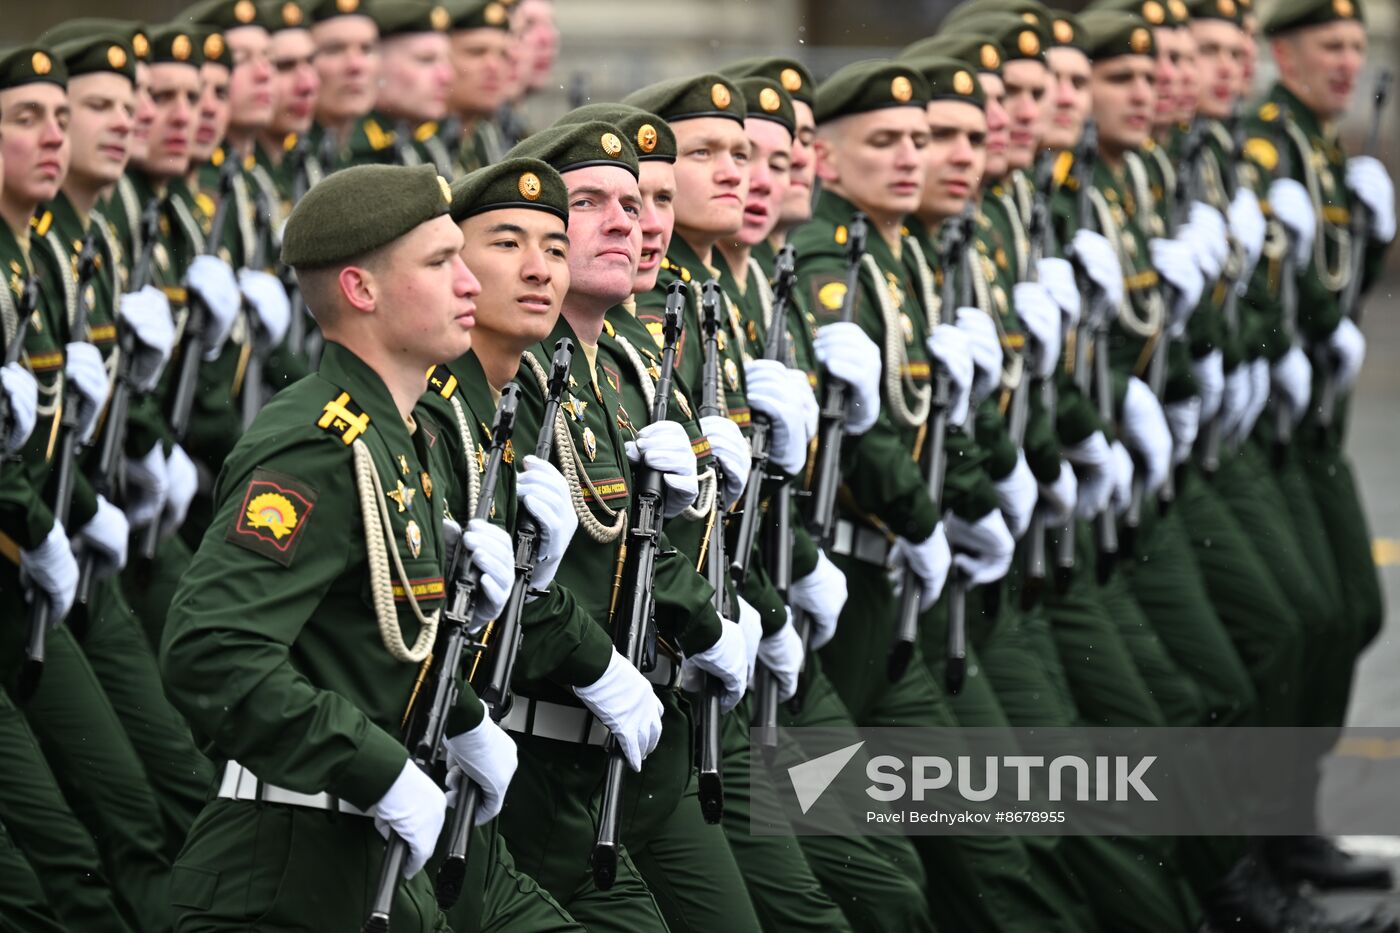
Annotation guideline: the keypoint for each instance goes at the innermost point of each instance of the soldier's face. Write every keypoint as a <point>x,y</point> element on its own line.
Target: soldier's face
<point>533,22</point>
<point>250,85</point>
<point>1069,97</point>
<point>1251,53</point>
<point>1189,66</point>
<point>797,203</point>
<point>295,81</point>
<point>657,221</point>
<point>175,95</point>
<point>145,112</point>
<point>770,162</point>
<point>34,137</point>
<point>347,62</point>
<point>1168,77</point>
<point>1026,82</point>
<point>520,257</point>
<point>1124,91</point>
<point>955,158</point>
<point>605,233</point>
<point>1220,59</point>
<point>103,111</point>
<point>212,112</point>
<point>876,160</point>
<point>480,63</point>
<point>425,296</point>
<point>998,128</point>
<point>1321,64</point>
<point>416,75</point>
<point>712,180</point>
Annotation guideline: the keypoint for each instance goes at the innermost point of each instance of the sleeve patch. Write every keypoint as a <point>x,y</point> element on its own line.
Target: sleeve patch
<point>828,294</point>
<point>272,516</point>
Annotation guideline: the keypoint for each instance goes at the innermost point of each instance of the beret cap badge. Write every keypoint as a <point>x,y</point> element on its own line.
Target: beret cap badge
<point>720,95</point>
<point>244,11</point>
<point>769,100</point>
<point>41,63</point>
<point>291,14</point>
<point>1140,42</point>
<point>646,137</point>
<point>181,47</point>
<point>213,45</point>
<point>901,89</point>
<point>611,144</point>
<point>347,6</point>
<point>991,58</point>
<point>962,83</point>
<point>1152,12</point>
<point>495,14</point>
<point>440,18</point>
<point>1343,8</point>
<point>1064,32</point>
<point>530,186</point>
<point>116,56</point>
<point>791,80</point>
<point>1028,43</point>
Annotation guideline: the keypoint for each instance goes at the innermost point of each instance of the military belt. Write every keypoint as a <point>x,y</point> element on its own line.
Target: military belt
<point>241,784</point>
<point>864,544</point>
<point>575,724</point>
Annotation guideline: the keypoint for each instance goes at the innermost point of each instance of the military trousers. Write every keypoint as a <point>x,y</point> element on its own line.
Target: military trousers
<point>23,907</point>
<point>149,586</point>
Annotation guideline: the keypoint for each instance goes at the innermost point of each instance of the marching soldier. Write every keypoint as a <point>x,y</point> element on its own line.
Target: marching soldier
<point>287,166</point>
<point>347,62</point>
<point>481,47</point>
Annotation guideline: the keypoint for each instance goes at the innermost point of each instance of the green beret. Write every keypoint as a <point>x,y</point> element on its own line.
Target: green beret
<point>765,99</point>
<point>1031,11</point>
<point>707,95</point>
<point>132,32</point>
<point>1110,33</point>
<point>175,44</point>
<point>477,14</point>
<point>789,72</point>
<point>31,64</point>
<point>652,136</point>
<point>1168,14</point>
<point>98,54</point>
<point>948,79</point>
<point>404,17</point>
<point>578,145</point>
<point>318,11</point>
<point>981,52</point>
<point>511,183</point>
<point>285,14</point>
<point>1020,40</point>
<point>1288,15</point>
<point>1230,11</point>
<point>873,84</point>
<point>1066,32</point>
<point>225,14</point>
<point>359,209</point>
<point>213,48</point>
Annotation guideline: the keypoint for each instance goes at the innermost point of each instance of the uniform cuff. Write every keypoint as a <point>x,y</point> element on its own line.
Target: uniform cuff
<point>373,770</point>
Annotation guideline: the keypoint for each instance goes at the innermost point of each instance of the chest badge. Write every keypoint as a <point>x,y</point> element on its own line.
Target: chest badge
<point>590,444</point>
<point>402,496</point>
<point>403,464</point>
<point>427,482</point>
<point>575,407</point>
<point>681,401</point>
<point>731,375</point>
<point>413,537</point>
<point>906,325</point>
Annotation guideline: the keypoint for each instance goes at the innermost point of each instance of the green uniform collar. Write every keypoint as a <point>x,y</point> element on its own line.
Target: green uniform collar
<point>352,375</point>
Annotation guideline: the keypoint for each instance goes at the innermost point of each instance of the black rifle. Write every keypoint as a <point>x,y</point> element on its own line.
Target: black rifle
<point>29,297</point>
<point>1288,294</point>
<point>251,393</point>
<point>635,636</point>
<point>502,639</point>
<point>709,714</point>
<point>427,724</point>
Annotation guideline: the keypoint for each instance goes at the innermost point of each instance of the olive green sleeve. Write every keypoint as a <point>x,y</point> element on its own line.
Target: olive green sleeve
<point>561,642</point>
<point>1041,445</point>
<point>685,610</point>
<point>995,440</point>
<point>967,489</point>
<point>24,518</point>
<point>759,593</point>
<point>804,549</point>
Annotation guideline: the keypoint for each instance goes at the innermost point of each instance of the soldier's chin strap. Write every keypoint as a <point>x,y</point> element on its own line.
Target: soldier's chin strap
<point>380,547</point>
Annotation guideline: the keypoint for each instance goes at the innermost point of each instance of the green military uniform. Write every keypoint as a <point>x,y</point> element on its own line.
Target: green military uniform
<point>472,142</point>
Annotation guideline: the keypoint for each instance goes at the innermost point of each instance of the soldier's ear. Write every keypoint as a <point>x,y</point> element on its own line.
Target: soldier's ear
<point>359,288</point>
<point>823,156</point>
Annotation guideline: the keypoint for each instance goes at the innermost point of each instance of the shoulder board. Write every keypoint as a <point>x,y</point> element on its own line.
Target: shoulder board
<point>608,328</point>
<point>375,134</point>
<point>1262,151</point>
<point>441,381</point>
<point>42,223</point>
<point>668,266</point>
<point>426,131</point>
<point>205,203</point>
<point>343,418</point>
<point>289,142</point>
<point>1064,164</point>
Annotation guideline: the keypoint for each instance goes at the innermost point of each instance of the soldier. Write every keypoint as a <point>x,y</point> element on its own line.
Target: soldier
<point>347,62</point>
<point>287,166</point>
<point>481,47</point>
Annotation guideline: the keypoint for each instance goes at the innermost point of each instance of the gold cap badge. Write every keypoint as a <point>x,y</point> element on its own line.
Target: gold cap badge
<point>791,79</point>
<point>646,137</point>
<point>41,63</point>
<point>1344,8</point>
<point>440,18</point>
<point>962,82</point>
<point>991,58</point>
<point>1226,7</point>
<point>901,89</point>
<point>1178,8</point>
<point>213,45</point>
<point>719,94</point>
<point>116,56</point>
<point>769,100</point>
<point>291,14</point>
<point>181,47</point>
<point>141,45</point>
<point>494,14</point>
<point>1028,42</point>
<point>611,144</point>
<point>347,6</point>
<point>529,186</point>
<point>1064,32</point>
<point>1140,42</point>
<point>445,188</point>
<point>1152,12</point>
<point>244,11</point>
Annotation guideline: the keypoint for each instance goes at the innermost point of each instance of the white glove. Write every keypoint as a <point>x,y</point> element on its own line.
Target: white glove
<point>770,392</point>
<point>182,481</point>
<point>985,343</point>
<point>1184,420</point>
<point>982,549</point>
<point>1057,275</point>
<point>146,487</point>
<point>751,627</point>
<point>801,388</point>
<point>414,808</point>
<point>1208,236</point>
<point>1370,182</point>
<point>106,533</point>
<point>543,491</point>
<point>1348,346</point>
<point>54,570</point>
<point>213,280</point>
<point>147,314</point>
<point>1235,402</point>
<point>952,350</point>
<point>1249,227</point>
<point>1059,497</point>
<point>492,552</point>
<point>822,595</point>
<point>624,701</point>
<point>1097,257</point>
<point>1291,382</point>
<point>1094,470</point>
<point>929,560</point>
<point>268,299</point>
<point>487,754</point>
<point>1145,431</point>
<point>733,452</point>
<point>22,398</point>
<point>1016,494</point>
<point>1176,262</point>
<point>1040,314</point>
<point>724,660</point>
<point>1209,372</point>
<point>87,375</point>
<point>851,356</point>
<point>1258,398</point>
<point>1292,205</point>
<point>1123,470</point>
<point>665,447</point>
<point>781,654</point>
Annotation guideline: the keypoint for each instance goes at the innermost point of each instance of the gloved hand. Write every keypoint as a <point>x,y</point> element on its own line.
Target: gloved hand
<point>1184,420</point>
<point>1207,235</point>
<point>1249,227</point>
<point>982,549</point>
<point>751,627</point>
<point>1209,372</point>
<point>665,447</point>
<point>1258,398</point>
<point>106,533</point>
<point>212,279</point>
<point>493,553</point>
<point>147,314</point>
<point>545,494</point>
<point>1291,381</point>
<point>1292,205</point>
<point>22,400</point>
<point>822,595</point>
<point>1093,464</point>
<point>951,349</point>
<point>1099,259</point>
<point>733,452</point>
<point>1144,430</point>
<point>1122,478</point>
<point>1057,275</point>
<point>54,570</point>
<point>488,755</point>
<point>724,660</point>
<point>1040,314</point>
<point>985,343</point>
<point>1175,261</point>
<point>801,389</point>
<point>1348,346</point>
<point>929,560</point>
<point>1016,493</point>
<point>268,299</point>
<point>1370,182</point>
<point>1235,402</point>
<point>87,375</point>
<point>182,480</point>
<point>414,809</point>
<point>146,487</point>
<point>1058,498</point>
<point>851,356</point>
<point>770,393</point>
<point>624,701</point>
<point>781,654</point>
